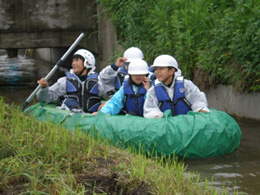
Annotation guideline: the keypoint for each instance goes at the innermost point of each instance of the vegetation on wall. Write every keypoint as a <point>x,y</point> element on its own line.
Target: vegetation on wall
<point>215,42</point>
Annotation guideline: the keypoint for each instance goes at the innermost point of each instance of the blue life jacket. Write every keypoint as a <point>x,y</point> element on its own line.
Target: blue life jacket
<point>151,69</point>
<point>120,77</point>
<point>84,94</point>
<point>134,103</point>
<point>180,104</point>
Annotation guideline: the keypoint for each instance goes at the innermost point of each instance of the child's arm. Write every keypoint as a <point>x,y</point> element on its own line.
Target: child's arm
<point>196,97</point>
<point>151,105</point>
<point>115,104</point>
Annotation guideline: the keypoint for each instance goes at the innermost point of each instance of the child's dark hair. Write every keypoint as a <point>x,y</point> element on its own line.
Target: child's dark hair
<point>78,57</point>
<point>170,67</point>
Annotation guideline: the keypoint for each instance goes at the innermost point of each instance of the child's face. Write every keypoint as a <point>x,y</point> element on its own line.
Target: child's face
<point>164,74</point>
<point>138,79</point>
<point>77,65</point>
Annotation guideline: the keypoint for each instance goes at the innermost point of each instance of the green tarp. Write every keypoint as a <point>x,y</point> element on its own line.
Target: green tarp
<point>195,135</point>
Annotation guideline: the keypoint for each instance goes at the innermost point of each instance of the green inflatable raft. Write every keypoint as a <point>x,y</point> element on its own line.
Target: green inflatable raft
<point>195,135</point>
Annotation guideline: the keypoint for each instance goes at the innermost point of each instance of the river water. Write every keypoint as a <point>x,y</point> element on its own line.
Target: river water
<point>239,170</point>
<point>19,75</point>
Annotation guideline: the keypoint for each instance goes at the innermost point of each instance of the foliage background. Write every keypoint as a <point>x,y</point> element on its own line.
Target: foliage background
<point>214,42</point>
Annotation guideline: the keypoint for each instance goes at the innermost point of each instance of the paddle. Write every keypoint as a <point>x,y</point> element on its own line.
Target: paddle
<point>57,65</point>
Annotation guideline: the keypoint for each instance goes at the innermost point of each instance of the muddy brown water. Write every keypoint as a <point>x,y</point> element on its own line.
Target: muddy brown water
<point>239,170</point>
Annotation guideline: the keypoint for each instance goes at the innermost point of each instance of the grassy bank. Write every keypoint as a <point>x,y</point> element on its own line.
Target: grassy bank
<point>37,158</point>
<point>215,42</point>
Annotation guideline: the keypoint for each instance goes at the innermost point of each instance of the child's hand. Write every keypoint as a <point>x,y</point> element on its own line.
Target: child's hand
<point>101,105</point>
<point>146,83</point>
<point>120,62</point>
<point>43,83</point>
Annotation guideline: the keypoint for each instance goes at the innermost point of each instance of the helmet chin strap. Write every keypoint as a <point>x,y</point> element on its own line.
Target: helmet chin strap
<point>82,71</point>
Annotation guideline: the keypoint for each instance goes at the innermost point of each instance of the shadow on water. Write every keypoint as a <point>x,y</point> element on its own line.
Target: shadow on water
<point>239,170</point>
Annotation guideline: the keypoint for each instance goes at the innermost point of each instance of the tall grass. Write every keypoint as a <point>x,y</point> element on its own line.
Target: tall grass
<point>37,158</point>
<point>219,39</point>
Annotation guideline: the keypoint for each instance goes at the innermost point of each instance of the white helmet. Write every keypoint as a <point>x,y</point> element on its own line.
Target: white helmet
<point>133,53</point>
<point>88,57</point>
<point>165,61</point>
<point>138,67</point>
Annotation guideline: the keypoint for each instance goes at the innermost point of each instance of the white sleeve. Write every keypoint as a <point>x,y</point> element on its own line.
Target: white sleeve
<point>52,93</point>
<point>151,105</point>
<point>197,98</point>
<point>100,88</point>
<point>107,79</point>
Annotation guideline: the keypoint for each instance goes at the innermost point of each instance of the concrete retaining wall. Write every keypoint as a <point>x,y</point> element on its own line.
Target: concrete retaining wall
<point>107,39</point>
<point>47,23</point>
<point>225,98</point>
<point>107,44</point>
<point>52,56</point>
<point>49,55</point>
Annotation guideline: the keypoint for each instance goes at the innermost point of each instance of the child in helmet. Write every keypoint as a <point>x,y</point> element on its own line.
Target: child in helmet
<point>113,75</point>
<point>80,88</point>
<point>131,94</point>
<point>172,92</point>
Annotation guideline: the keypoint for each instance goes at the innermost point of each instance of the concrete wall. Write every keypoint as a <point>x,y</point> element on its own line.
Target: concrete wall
<point>52,55</point>
<point>49,27</point>
<point>107,40</point>
<point>106,43</point>
<point>48,55</point>
<point>47,23</point>
<point>225,98</point>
